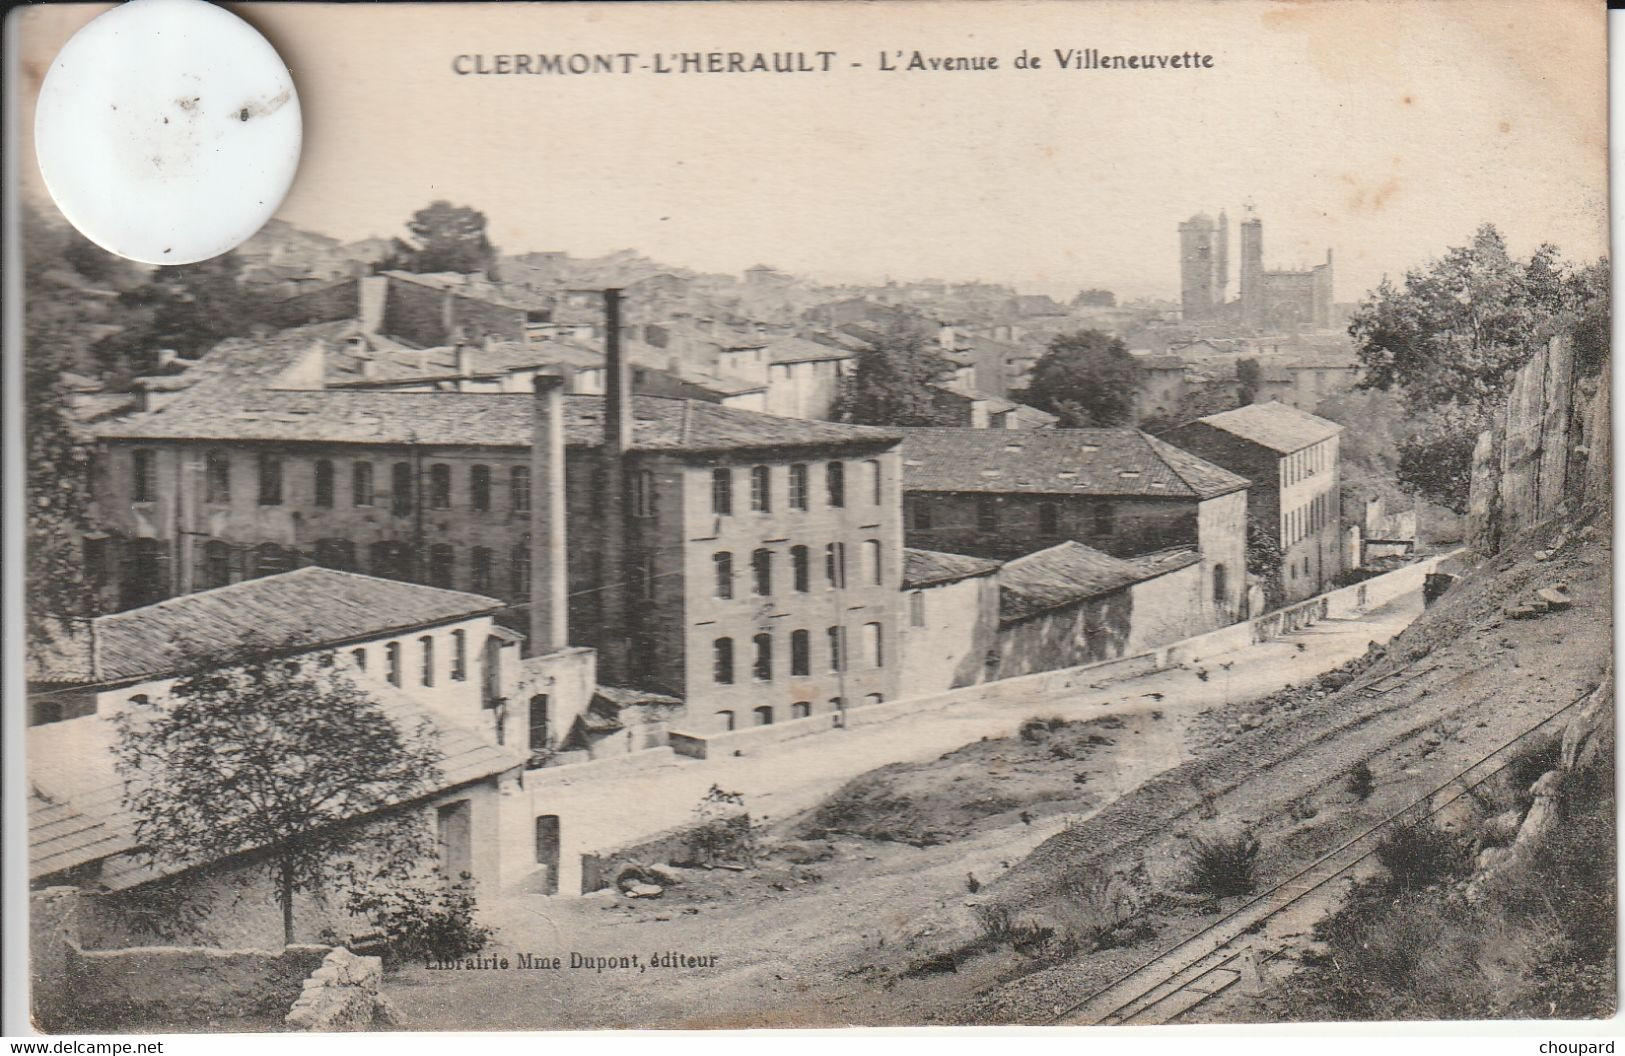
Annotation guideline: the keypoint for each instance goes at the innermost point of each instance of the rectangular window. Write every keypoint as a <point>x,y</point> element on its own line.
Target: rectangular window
<point>722,492</point>
<point>519,489</point>
<point>835,483</point>
<point>392,660</point>
<point>800,653</point>
<point>835,636</point>
<point>798,487</point>
<point>479,488</point>
<point>270,480</point>
<point>459,656</point>
<point>324,483</point>
<point>761,489</point>
<point>643,494</point>
<point>871,562</point>
<point>722,564</point>
<point>426,644</point>
<point>987,514</point>
<point>217,477</point>
<point>519,576</point>
<point>400,483</point>
<point>361,484</point>
<point>761,567</point>
<point>871,470</point>
<point>916,609</point>
<point>539,708</point>
<point>722,661</point>
<point>145,471</point>
<point>480,570</point>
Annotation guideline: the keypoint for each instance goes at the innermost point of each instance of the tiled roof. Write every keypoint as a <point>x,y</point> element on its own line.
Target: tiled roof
<point>76,813</point>
<point>1274,425</point>
<point>1062,575</point>
<point>1119,462</point>
<point>801,350</point>
<point>472,419</point>
<point>305,608</point>
<point>931,568</point>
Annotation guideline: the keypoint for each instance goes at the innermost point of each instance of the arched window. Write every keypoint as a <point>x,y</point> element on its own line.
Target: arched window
<point>726,719</point>
<point>392,662</point>
<point>761,568</point>
<point>723,564</point>
<point>800,653</point>
<point>874,698</point>
<point>873,645</point>
<point>722,491</point>
<point>459,656</point>
<point>761,489</point>
<point>762,667</point>
<point>269,559</point>
<point>400,483</point>
<point>479,572</point>
<point>835,483</point>
<point>800,709</point>
<point>764,715</point>
<point>835,636</point>
<point>479,488</point>
<point>336,553</point>
<point>426,647</point>
<point>389,560</point>
<point>442,565</point>
<point>359,658</point>
<point>799,568</point>
<point>835,564</point>
<point>361,484</point>
<point>216,564</point>
<point>440,486</point>
<point>519,489</point>
<point>798,487</point>
<point>217,477</point>
<point>722,661</point>
<point>324,483</point>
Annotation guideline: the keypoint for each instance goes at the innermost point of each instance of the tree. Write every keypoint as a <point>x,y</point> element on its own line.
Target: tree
<point>1264,557</point>
<point>1436,459</point>
<point>449,237</point>
<point>893,381</point>
<point>277,755</point>
<point>1249,376</point>
<point>1087,378</point>
<point>188,308</point>
<point>1454,331</point>
<point>1095,299</point>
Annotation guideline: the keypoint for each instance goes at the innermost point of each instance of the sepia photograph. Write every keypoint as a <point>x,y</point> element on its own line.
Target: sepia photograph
<point>1054,513</point>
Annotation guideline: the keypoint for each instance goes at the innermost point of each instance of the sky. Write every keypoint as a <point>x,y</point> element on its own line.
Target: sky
<point>1385,131</point>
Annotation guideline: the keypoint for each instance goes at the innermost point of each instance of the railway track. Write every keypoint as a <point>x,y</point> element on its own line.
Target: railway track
<point>1223,954</point>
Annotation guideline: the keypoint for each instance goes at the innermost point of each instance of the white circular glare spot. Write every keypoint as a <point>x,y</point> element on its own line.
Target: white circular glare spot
<point>168,130</point>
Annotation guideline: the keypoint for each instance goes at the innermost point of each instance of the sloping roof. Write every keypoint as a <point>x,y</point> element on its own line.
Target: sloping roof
<point>1066,574</point>
<point>75,807</point>
<point>302,609</point>
<point>360,416</point>
<point>1274,425</point>
<point>932,568</point>
<point>1120,462</point>
<point>801,350</point>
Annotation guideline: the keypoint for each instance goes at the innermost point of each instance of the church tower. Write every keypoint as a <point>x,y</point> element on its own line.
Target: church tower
<point>1221,264</point>
<point>1196,267</point>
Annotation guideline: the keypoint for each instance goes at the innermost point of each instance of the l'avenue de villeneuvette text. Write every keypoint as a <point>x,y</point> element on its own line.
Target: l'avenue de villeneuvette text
<point>899,61</point>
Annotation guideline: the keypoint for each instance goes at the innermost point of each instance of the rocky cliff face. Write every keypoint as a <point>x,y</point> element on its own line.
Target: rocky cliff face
<point>1548,449</point>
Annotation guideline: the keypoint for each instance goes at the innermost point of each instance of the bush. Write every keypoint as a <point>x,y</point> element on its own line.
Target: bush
<point>424,922</point>
<point>1100,912</point>
<point>1034,731</point>
<point>1417,854</point>
<point>1223,865</point>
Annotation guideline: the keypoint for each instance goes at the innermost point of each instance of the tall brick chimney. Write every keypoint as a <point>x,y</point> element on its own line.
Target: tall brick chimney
<point>549,600</point>
<point>614,639</point>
